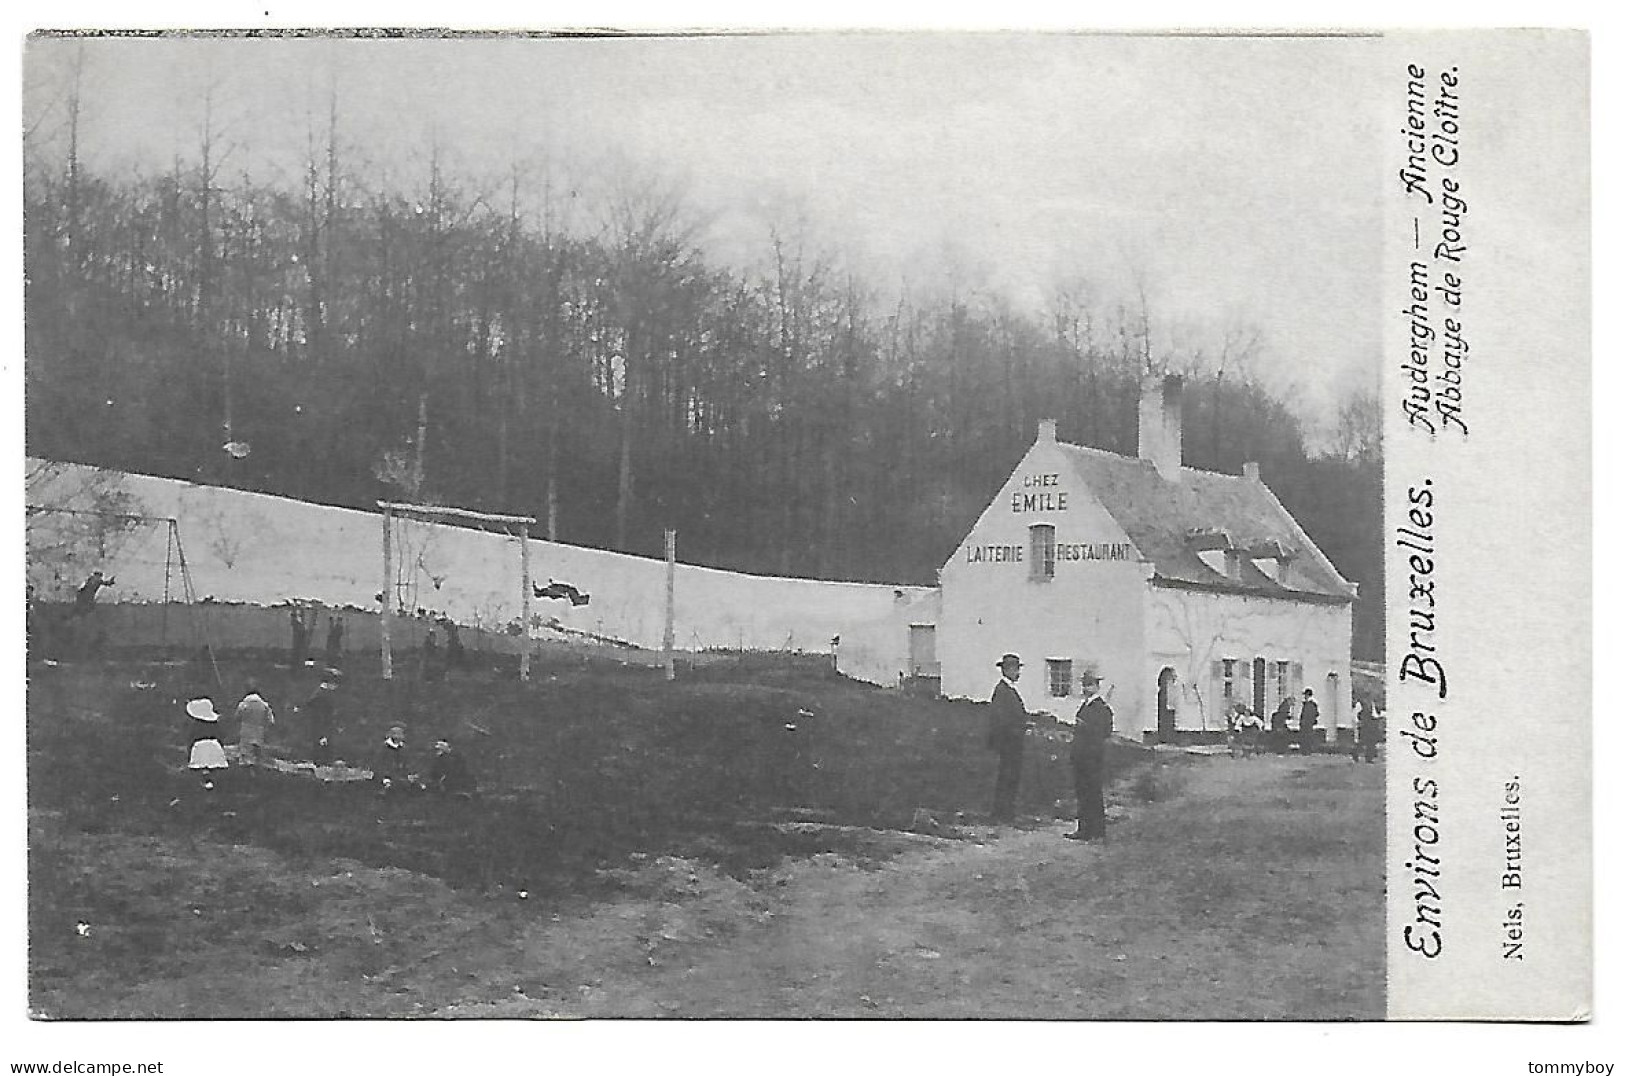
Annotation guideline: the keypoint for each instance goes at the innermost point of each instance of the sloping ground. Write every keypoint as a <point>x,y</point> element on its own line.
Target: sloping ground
<point>1256,893</point>
<point>1268,907</point>
<point>599,754</point>
<point>711,847</point>
<point>582,770</point>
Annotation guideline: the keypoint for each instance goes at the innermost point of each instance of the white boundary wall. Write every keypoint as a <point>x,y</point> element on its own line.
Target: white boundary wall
<point>263,549</point>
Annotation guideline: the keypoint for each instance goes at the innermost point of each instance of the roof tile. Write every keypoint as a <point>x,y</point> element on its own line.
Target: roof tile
<point>1159,516</point>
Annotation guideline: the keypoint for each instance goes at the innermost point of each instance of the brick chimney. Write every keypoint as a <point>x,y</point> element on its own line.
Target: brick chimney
<point>1249,471</point>
<point>1046,429</point>
<point>1162,423</point>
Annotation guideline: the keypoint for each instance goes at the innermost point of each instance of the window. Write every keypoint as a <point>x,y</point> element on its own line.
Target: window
<point>1229,676</point>
<point>1060,677</point>
<point>1043,551</point>
<point>1283,681</point>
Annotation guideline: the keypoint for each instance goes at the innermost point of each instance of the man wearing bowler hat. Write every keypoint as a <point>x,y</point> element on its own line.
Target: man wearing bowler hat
<point>1006,734</point>
<point>1308,718</point>
<point>1092,727</point>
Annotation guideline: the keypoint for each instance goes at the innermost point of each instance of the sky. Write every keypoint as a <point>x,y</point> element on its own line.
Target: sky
<point>1234,181</point>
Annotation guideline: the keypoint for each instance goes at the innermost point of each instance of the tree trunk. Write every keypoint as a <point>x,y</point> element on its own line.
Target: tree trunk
<point>623,486</point>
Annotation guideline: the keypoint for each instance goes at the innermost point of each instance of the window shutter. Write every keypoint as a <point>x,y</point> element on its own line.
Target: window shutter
<point>1041,551</point>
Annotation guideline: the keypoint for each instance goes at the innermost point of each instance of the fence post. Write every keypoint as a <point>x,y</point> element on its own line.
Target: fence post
<point>671,604</point>
<point>524,602</point>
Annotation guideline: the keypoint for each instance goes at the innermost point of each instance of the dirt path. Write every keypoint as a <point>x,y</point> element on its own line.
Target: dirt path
<point>1234,888</point>
<point>1213,904</point>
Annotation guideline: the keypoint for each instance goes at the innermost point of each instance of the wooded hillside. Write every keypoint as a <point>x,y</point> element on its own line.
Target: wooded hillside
<point>455,342</point>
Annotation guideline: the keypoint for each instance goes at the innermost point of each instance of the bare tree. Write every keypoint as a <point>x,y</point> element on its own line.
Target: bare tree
<point>76,516</point>
<point>651,231</point>
<point>1357,436</point>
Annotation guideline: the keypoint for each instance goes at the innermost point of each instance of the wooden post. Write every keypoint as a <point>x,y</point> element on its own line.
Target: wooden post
<point>420,511</point>
<point>384,611</point>
<point>169,553</point>
<point>671,603</point>
<point>524,602</point>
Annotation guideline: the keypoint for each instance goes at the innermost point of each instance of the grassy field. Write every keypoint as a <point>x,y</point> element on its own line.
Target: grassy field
<point>752,841</point>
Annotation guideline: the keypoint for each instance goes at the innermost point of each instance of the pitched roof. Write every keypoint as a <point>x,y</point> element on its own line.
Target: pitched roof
<point>1170,521</point>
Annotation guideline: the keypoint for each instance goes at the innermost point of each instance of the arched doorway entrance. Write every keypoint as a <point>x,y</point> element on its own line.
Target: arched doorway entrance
<point>1167,712</point>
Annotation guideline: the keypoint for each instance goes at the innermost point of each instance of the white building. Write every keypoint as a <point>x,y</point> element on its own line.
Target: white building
<point>1182,589</point>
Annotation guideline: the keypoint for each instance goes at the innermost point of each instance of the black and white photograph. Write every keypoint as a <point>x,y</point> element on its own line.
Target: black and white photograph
<point>722,526</point>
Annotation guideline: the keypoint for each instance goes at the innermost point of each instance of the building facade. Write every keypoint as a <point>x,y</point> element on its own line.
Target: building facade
<point>1184,590</point>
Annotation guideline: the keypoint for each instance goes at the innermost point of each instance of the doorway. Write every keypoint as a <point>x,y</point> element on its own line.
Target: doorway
<point>1167,712</point>
<point>922,650</point>
<point>1260,686</point>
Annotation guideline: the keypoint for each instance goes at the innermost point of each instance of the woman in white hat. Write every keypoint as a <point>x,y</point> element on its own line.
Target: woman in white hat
<point>207,754</point>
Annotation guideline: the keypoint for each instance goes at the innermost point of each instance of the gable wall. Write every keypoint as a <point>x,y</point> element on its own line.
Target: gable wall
<point>1091,612</point>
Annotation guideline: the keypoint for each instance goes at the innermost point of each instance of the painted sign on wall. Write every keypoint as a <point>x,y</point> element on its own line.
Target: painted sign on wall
<point>1036,496</point>
<point>1015,554</point>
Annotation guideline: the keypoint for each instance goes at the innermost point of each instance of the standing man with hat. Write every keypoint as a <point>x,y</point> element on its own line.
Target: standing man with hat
<point>1092,727</point>
<point>1308,718</point>
<point>321,722</point>
<point>1007,734</point>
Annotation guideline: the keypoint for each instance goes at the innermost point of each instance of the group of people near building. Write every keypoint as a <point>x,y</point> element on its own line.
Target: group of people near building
<point>1246,734</point>
<point>1290,726</point>
<point>1293,724</point>
<point>393,769</point>
<point>1368,731</point>
<point>1088,729</point>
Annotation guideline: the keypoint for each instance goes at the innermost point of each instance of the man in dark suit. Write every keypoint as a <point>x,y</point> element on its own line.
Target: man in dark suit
<point>321,722</point>
<point>1007,734</point>
<point>1308,718</point>
<point>1367,732</point>
<point>1092,728</point>
<point>449,772</point>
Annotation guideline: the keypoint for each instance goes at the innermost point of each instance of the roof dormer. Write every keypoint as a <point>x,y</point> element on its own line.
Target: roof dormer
<point>1214,549</point>
<point>1229,558</point>
<point>1272,558</point>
